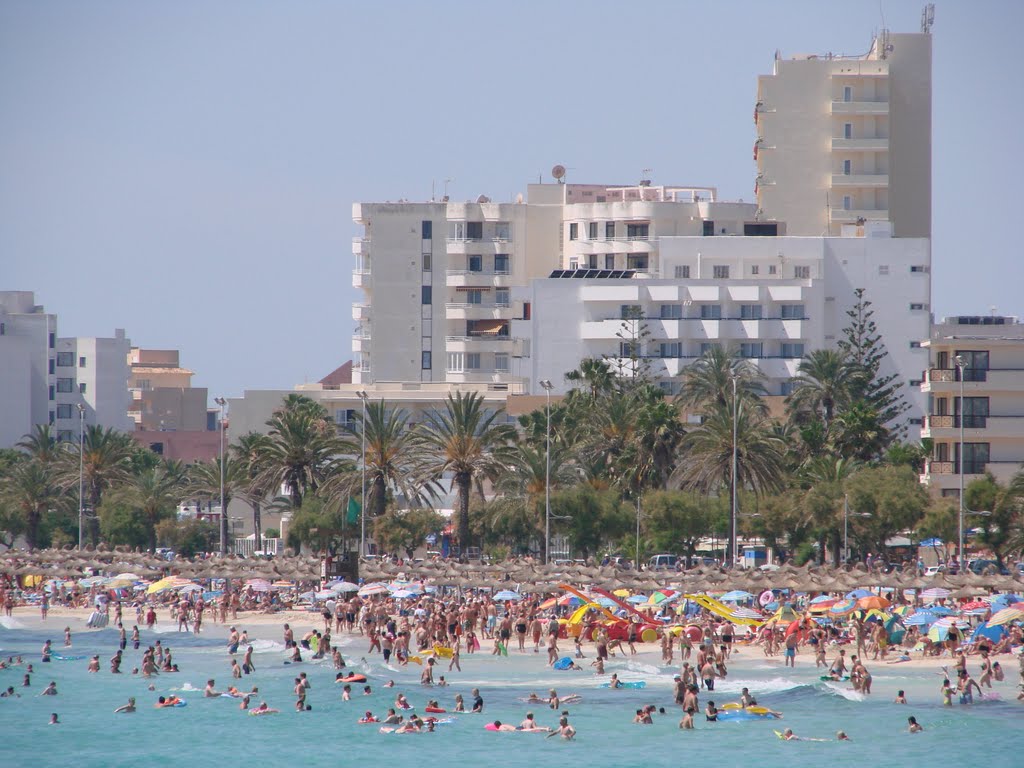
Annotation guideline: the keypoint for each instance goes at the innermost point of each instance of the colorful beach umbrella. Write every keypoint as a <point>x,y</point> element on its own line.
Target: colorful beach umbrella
<point>873,601</point>
<point>857,594</point>
<point>508,594</point>
<point>823,599</point>
<point>935,593</point>
<point>343,586</point>
<point>920,619</point>
<point>167,583</point>
<point>373,588</point>
<point>1005,616</point>
<point>746,613</point>
<point>941,610</point>
<point>844,607</point>
<point>636,599</point>
<point>736,596</point>
<point>622,593</point>
<point>823,606</point>
<point>974,605</point>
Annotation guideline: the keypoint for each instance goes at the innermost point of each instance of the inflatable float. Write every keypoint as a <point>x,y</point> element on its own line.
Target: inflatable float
<point>258,712</point>
<point>434,710</point>
<point>563,663</point>
<point>58,657</point>
<point>830,679</point>
<point>624,684</point>
<point>734,711</point>
<point>444,653</point>
<point>355,678</point>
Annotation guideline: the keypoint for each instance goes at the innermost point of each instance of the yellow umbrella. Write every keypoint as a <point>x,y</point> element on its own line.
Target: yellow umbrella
<point>1005,616</point>
<point>622,593</point>
<point>166,583</point>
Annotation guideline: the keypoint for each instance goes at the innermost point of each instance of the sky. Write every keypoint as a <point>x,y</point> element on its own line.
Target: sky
<point>186,170</point>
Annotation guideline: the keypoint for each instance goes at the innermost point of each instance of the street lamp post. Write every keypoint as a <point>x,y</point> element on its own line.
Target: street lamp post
<point>362,462</point>
<point>961,364</point>
<point>81,470</point>
<point>546,383</point>
<point>846,527</point>
<point>735,533</point>
<point>220,401</point>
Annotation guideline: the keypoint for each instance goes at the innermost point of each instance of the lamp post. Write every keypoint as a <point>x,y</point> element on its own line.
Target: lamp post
<point>546,383</point>
<point>81,470</point>
<point>846,527</point>
<point>362,463</point>
<point>734,554</point>
<point>961,364</point>
<point>220,401</point>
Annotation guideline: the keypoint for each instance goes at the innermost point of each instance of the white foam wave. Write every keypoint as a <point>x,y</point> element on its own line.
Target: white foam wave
<point>846,693</point>
<point>9,622</point>
<point>641,668</point>
<point>266,646</point>
<point>771,685</point>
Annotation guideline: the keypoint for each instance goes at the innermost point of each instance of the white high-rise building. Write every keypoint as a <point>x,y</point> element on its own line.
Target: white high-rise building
<point>91,372</point>
<point>28,336</point>
<point>772,299</point>
<point>841,139</point>
<point>438,276</point>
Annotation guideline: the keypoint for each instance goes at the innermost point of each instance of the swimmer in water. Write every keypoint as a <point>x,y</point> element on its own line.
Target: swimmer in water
<point>129,707</point>
<point>914,726</point>
<point>900,698</point>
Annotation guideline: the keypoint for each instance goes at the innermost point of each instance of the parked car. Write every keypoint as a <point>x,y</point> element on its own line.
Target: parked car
<point>979,566</point>
<point>663,562</point>
<point>931,570</point>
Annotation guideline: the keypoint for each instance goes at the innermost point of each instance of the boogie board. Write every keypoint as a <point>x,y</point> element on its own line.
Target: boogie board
<point>563,663</point>
<point>623,684</point>
<point>830,679</point>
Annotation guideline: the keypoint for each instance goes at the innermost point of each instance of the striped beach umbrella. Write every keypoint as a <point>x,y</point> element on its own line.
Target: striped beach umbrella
<point>1005,616</point>
<point>844,607</point>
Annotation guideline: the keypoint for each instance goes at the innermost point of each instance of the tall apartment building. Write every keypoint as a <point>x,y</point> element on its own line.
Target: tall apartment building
<point>91,372</point>
<point>982,359</point>
<point>841,139</point>
<point>773,299</point>
<point>169,415</point>
<point>438,276</point>
<point>28,338</point>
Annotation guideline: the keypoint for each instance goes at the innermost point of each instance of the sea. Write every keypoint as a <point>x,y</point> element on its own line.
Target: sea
<point>989,733</point>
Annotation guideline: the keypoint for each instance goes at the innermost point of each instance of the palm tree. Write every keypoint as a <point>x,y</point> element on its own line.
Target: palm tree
<point>301,444</point>
<point>40,444</point>
<point>155,493</point>
<point>659,433</point>
<point>594,374</point>
<point>249,451</point>
<point>822,384</point>
<point>106,460</point>
<point>707,382</point>
<point>707,454</point>
<point>467,440</point>
<point>390,460</point>
<point>203,479</point>
<point>29,488</point>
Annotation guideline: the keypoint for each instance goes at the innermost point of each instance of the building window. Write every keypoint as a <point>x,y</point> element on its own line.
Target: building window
<point>847,167</point>
<point>65,385</point>
<point>472,361</point>
<point>574,263</point>
<point>636,262</point>
<point>792,350</point>
<point>721,272</point>
<point>592,261</point>
<point>592,230</point>
<point>64,411</point>
<point>847,93</point>
<point>475,263</point>
<point>792,312</point>
<point>754,269</point>
<point>752,349</point>
<point>750,311</point>
<point>914,383</point>
<point>609,261</point>
<point>917,422</point>
<point>474,230</point>
<point>671,311</point>
<point>51,392</point>
<point>427,230</point>
<point>501,230</point>
<point>683,272</point>
<point>630,311</point>
<point>427,262</point>
<point>574,231</point>
<point>425,294</point>
<point>921,268</point>
<point>802,273</point>
<point>502,297</point>
<point>501,362</point>
<point>847,203</point>
<point>915,307</point>
<point>81,388</point>
<point>81,362</point>
<point>629,349</point>
<point>474,296</point>
<point>786,388</point>
<point>708,228</point>
<point>915,345</point>
<point>638,231</point>
<point>53,340</point>
<point>65,359</point>
<point>425,361</point>
<point>847,130</point>
<point>609,230</point>
<point>707,346</point>
<point>711,312</point>
<point>502,265</point>
<point>52,367</point>
<point>65,435</point>
<point>883,269</point>
<point>671,349</point>
<point>772,269</point>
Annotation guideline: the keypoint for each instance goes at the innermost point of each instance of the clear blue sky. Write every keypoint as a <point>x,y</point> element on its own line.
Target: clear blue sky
<point>186,170</point>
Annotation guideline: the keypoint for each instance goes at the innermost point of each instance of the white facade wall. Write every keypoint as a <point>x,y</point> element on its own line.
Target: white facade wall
<point>847,138</point>
<point>27,339</point>
<point>801,289</point>
<point>93,372</point>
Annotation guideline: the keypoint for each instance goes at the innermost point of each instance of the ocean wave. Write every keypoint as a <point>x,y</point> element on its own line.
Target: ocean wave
<point>266,646</point>
<point>849,694</point>
<point>771,685</point>
<point>9,622</point>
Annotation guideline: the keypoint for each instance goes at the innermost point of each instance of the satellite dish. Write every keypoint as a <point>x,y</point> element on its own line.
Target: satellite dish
<point>558,172</point>
<point>483,199</point>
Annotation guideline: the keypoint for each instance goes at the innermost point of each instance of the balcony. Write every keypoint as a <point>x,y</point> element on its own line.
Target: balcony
<point>459,278</point>
<point>361,341</point>
<point>461,311</point>
<point>457,245</point>
<point>860,145</point>
<point>860,107</point>
<point>480,343</point>
<point>873,180</point>
<point>975,427</point>
<point>944,380</point>
<point>360,278</point>
<point>361,246</point>
<point>844,216</point>
<point>360,311</point>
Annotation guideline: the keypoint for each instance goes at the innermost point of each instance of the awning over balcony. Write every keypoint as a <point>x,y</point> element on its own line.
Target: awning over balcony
<point>488,328</point>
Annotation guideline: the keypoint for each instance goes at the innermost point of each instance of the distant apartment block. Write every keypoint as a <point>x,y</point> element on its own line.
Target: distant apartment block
<point>846,139</point>
<point>982,358</point>
<point>28,341</point>
<point>93,373</point>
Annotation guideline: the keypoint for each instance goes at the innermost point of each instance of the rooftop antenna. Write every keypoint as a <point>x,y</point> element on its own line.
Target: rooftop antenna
<point>558,174</point>
<point>446,183</point>
<point>927,18</point>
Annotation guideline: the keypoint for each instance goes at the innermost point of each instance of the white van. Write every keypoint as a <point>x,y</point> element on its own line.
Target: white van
<point>663,562</point>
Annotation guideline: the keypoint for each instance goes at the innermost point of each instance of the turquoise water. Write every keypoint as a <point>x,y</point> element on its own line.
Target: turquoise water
<point>215,729</point>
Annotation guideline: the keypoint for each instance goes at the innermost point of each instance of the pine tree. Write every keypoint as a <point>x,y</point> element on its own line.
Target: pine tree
<point>632,369</point>
<point>866,352</point>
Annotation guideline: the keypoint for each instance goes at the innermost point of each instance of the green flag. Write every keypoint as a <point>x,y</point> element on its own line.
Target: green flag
<point>353,511</point>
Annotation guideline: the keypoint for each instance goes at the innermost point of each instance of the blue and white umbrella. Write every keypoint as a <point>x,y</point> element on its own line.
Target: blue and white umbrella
<point>403,594</point>
<point>508,594</point>
<point>935,593</point>
<point>941,610</point>
<point>606,602</point>
<point>635,599</point>
<point>821,599</point>
<point>343,586</point>
<point>736,596</point>
<point>746,613</point>
<point>857,594</point>
<point>920,619</point>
